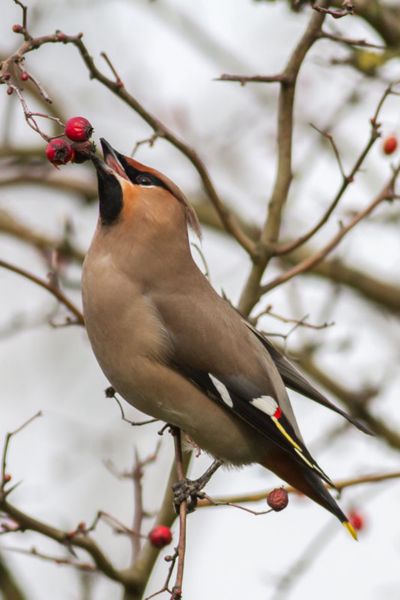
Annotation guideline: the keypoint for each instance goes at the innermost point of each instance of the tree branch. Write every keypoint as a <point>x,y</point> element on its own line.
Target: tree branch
<point>283,177</point>
<point>340,485</point>
<point>387,193</point>
<point>55,291</point>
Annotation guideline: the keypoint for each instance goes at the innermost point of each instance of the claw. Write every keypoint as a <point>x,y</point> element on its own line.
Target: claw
<point>190,490</point>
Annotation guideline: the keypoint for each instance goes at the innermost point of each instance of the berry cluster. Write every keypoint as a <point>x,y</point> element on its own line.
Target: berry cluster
<point>60,150</point>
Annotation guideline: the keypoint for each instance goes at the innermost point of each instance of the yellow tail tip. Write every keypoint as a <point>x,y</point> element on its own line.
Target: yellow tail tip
<point>350,529</point>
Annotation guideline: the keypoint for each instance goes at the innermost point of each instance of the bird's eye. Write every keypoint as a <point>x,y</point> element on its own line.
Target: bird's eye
<point>144,180</point>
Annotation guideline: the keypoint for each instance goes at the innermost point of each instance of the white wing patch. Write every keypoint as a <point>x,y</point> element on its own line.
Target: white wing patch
<point>266,404</point>
<point>222,390</point>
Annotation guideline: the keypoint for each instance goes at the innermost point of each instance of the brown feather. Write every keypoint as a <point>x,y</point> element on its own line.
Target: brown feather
<point>191,217</point>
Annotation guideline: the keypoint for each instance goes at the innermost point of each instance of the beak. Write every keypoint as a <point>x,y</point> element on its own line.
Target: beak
<point>110,166</point>
<point>111,159</point>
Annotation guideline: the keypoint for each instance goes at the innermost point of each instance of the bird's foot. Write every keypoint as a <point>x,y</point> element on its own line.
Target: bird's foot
<point>190,490</point>
<point>186,490</point>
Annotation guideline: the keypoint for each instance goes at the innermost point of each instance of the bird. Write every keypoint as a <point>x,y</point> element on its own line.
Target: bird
<point>176,350</point>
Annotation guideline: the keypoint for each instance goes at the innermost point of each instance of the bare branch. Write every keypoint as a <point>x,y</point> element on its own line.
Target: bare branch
<point>58,560</point>
<point>346,179</point>
<point>110,393</point>
<point>256,513</point>
<point>84,542</point>
<point>340,485</point>
<point>332,142</point>
<point>243,79</point>
<point>177,588</point>
<point>56,292</point>
<point>118,79</point>
<point>283,177</point>
<point>5,477</point>
<point>165,588</point>
<point>387,193</point>
<point>299,322</point>
<point>348,9</point>
<point>158,127</point>
<point>351,41</point>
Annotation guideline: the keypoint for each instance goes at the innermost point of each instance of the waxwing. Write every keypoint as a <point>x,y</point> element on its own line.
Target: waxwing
<point>176,350</point>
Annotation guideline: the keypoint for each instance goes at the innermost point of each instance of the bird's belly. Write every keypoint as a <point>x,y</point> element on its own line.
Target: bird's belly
<point>122,329</point>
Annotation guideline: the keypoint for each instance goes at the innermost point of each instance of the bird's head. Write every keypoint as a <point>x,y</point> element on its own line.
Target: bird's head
<point>128,191</point>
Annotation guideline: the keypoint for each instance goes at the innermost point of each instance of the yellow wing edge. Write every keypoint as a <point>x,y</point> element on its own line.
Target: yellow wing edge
<point>350,529</point>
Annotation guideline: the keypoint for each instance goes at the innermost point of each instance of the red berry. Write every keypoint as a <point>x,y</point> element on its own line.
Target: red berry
<point>17,28</point>
<point>357,520</point>
<point>278,499</point>
<point>24,76</point>
<point>7,477</point>
<point>6,76</point>
<point>10,91</point>
<point>160,536</point>
<point>78,129</point>
<point>390,144</point>
<point>59,151</point>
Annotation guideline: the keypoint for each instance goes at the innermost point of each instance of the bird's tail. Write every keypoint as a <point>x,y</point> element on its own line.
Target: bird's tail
<point>316,490</point>
<point>307,481</point>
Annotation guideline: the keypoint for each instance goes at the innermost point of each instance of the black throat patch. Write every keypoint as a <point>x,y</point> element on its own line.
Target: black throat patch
<point>110,197</point>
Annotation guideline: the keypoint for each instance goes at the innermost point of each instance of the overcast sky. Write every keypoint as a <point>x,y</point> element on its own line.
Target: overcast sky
<point>168,54</point>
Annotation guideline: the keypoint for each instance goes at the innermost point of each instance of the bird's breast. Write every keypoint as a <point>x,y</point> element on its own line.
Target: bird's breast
<point>122,323</point>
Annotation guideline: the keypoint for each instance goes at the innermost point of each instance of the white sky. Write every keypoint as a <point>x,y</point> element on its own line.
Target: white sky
<point>59,458</point>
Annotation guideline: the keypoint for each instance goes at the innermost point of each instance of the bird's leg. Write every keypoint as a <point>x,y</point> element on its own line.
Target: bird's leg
<point>190,490</point>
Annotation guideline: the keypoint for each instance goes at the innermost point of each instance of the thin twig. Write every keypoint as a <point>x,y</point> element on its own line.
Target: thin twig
<point>56,292</point>
<point>271,229</point>
<point>116,525</point>
<point>110,393</point>
<point>158,127</point>
<point>387,193</point>
<point>340,485</point>
<point>243,79</point>
<point>177,588</point>
<point>336,13</point>
<point>346,179</point>
<point>351,41</point>
<point>256,513</point>
<point>149,140</point>
<point>58,560</point>
<point>84,542</point>
<point>118,79</point>
<point>332,142</point>
<point>165,588</point>
<point>299,322</point>
<point>8,438</point>
<point>139,513</point>
<point>24,13</point>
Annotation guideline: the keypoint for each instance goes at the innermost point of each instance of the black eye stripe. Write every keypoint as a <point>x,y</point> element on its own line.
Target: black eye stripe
<point>135,175</point>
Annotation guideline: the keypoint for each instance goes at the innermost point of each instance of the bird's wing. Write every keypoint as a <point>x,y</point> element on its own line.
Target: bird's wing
<point>262,411</point>
<point>212,347</point>
<point>294,380</point>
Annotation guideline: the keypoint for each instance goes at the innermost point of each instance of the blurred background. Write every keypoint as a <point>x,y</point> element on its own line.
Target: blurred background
<point>169,54</point>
